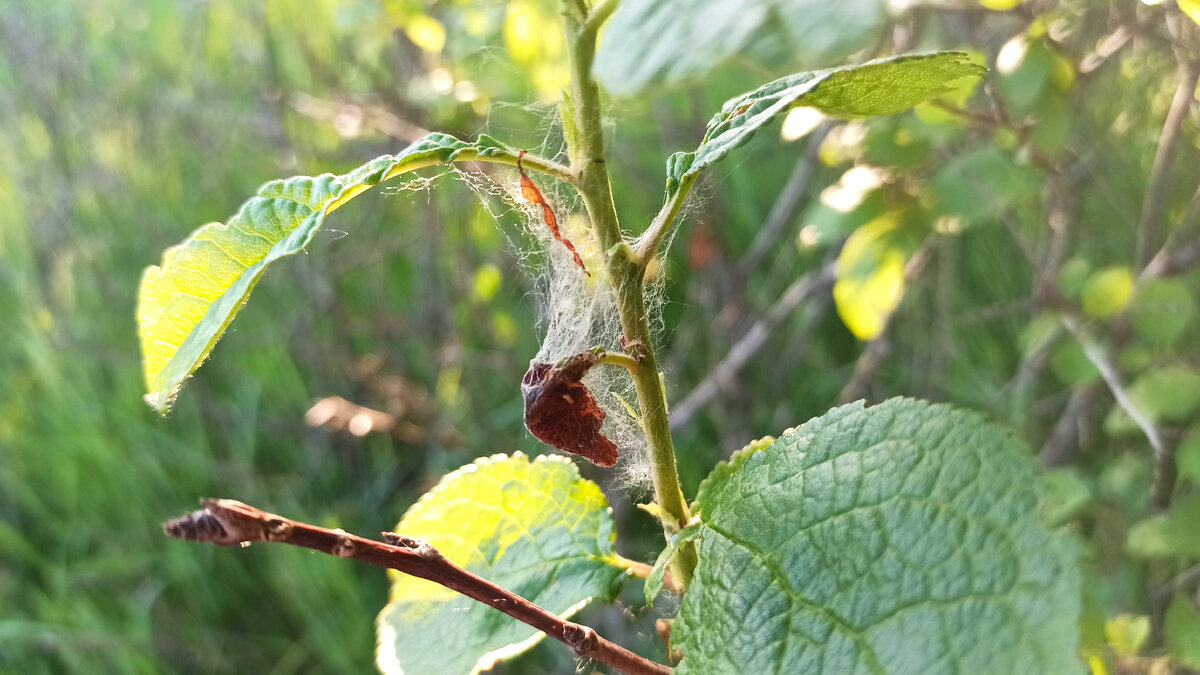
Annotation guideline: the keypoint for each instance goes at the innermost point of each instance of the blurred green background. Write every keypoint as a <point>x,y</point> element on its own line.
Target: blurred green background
<point>1053,208</point>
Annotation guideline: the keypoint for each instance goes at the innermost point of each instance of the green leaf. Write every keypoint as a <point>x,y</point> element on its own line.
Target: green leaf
<point>901,538</point>
<point>1025,86</point>
<point>650,43</point>
<point>186,303</point>
<point>881,87</point>
<point>1167,394</point>
<point>1187,456</point>
<point>1067,495</point>
<point>533,527</point>
<point>1071,364</point>
<point>1072,275</point>
<point>658,573</point>
<point>1127,633</point>
<point>1169,535</point>
<point>1162,310</point>
<point>1183,632</point>
<point>1107,291</point>
<point>725,468</point>
<point>980,184</point>
<point>870,275</point>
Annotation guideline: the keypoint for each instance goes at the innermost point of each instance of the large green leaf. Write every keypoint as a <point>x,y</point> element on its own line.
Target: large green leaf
<point>533,527</point>
<point>650,42</point>
<point>901,538</point>
<point>881,87</point>
<point>185,305</point>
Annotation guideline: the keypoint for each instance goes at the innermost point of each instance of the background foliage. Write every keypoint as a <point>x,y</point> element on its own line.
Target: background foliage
<point>1012,230</point>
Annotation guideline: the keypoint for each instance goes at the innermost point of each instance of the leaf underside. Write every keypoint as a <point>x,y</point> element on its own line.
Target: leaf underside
<point>533,527</point>
<point>901,538</point>
<point>881,87</point>
<point>186,303</point>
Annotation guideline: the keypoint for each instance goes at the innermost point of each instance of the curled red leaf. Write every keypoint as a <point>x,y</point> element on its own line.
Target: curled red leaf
<point>560,410</point>
<point>533,195</point>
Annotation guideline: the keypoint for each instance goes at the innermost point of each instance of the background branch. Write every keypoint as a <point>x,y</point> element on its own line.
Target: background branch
<point>723,375</point>
<point>1156,195</point>
<point>226,522</point>
<point>789,199</point>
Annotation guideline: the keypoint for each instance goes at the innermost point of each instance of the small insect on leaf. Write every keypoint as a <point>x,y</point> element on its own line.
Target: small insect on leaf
<point>533,195</point>
<point>560,410</point>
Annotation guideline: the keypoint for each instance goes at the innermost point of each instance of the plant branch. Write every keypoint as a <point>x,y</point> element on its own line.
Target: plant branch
<point>226,522</point>
<point>618,359</point>
<point>1164,461</point>
<point>1156,195</point>
<point>723,375</point>
<point>625,270</point>
<point>784,209</point>
<point>599,14</point>
<point>652,238</point>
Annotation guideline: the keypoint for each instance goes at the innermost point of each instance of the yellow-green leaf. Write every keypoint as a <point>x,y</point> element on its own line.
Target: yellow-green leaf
<point>186,303</point>
<point>1127,633</point>
<point>487,282</point>
<point>880,87</point>
<point>870,277</point>
<point>426,32</point>
<point>1107,291</point>
<point>1191,8</point>
<point>533,527</point>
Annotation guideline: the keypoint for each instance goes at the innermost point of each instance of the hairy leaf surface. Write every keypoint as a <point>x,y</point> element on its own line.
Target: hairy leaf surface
<point>901,538</point>
<point>186,303</point>
<point>881,87</point>
<point>533,527</point>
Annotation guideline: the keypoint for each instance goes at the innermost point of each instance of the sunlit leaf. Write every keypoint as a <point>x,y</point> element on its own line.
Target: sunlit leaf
<point>533,527</point>
<point>186,303</point>
<point>486,282</point>
<point>1127,633</point>
<point>901,538</point>
<point>870,277</point>
<point>1192,9</point>
<point>426,32</point>
<point>1000,5</point>
<point>881,87</point>
<point>1107,291</point>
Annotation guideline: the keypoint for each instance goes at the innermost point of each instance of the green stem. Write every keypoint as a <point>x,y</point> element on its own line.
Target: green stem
<point>529,161</point>
<point>618,359</point>
<point>626,270</point>
<point>647,244</point>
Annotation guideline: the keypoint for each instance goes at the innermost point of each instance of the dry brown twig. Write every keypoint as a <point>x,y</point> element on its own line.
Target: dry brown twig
<point>226,522</point>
